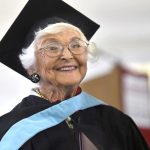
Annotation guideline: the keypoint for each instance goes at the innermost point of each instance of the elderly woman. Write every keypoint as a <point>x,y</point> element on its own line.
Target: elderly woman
<point>57,58</point>
<point>58,115</point>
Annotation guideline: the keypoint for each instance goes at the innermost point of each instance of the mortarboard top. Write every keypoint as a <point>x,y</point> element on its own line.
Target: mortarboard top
<point>34,11</point>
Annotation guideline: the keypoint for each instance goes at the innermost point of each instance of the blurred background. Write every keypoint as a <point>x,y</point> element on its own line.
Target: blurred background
<point>121,76</point>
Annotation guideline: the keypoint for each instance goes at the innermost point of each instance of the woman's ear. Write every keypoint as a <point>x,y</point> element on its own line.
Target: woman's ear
<point>31,70</point>
<point>34,76</point>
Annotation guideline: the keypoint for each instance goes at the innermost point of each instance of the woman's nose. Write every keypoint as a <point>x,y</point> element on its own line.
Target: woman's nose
<point>66,54</point>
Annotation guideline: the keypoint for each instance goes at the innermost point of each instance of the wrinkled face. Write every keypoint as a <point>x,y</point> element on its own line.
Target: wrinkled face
<point>66,69</point>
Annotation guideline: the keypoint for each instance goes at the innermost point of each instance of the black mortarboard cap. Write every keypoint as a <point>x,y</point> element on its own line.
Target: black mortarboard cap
<point>35,14</point>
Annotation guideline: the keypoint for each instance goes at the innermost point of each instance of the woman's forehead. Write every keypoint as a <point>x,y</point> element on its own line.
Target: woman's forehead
<point>68,34</point>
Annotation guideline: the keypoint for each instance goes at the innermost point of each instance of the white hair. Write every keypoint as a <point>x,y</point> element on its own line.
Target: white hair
<point>27,57</point>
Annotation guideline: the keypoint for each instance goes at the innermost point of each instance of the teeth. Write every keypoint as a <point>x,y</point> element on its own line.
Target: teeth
<point>67,68</point>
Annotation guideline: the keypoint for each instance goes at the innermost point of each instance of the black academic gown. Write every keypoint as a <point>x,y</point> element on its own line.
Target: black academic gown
<point>103,126</point>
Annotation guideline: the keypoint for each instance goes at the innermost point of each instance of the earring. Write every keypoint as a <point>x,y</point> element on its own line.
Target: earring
<point>35,78</point>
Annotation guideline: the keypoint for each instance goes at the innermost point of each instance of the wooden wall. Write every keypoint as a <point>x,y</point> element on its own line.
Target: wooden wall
<point>106,88</point>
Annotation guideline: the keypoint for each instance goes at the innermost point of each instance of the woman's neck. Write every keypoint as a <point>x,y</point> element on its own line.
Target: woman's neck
<point>54,94</point>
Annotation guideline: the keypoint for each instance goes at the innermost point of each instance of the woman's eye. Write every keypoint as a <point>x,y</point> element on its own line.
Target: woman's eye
<point>53,48</point>
<point>76,45</point>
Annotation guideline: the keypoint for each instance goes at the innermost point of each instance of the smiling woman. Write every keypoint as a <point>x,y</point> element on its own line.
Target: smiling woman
<point>58,115</point>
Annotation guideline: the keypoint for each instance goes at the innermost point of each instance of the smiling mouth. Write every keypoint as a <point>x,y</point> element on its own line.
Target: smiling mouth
<point>67,68</point>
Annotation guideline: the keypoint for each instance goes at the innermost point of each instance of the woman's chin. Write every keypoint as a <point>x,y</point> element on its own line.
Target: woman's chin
<point>69,79</point>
